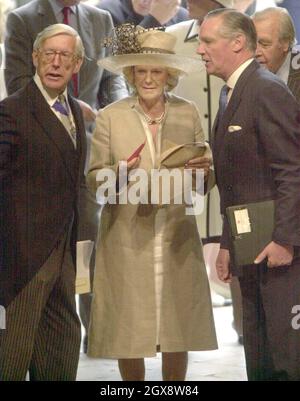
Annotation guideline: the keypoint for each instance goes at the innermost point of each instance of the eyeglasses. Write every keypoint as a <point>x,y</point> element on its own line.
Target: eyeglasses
<point>65,56</point>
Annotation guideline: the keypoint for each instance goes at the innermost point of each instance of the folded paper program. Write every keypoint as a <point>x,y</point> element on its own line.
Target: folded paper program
<point>178,155</point>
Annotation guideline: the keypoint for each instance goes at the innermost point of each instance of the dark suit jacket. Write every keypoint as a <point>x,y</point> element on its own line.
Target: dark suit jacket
<point>262,159</point>
<point>122,11</point>
<point>96,86</point>
<point>40,174</point>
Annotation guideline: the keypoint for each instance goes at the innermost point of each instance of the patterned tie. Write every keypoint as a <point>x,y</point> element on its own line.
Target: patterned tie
<point>66,12</point>
<point>62,107</point>
<point>59,105</point>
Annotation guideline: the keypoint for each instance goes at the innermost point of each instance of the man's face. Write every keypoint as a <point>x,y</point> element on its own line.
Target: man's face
<point>214,49</point>
<point>271,51</point>
<point>141,7</point>
<point>199,8</point>
<point>56,69</point>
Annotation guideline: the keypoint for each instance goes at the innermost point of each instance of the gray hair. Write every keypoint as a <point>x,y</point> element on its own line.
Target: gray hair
<point>172,81</point>
<point>287,31</point>
<point>59,29</point>
<point>234,24</point>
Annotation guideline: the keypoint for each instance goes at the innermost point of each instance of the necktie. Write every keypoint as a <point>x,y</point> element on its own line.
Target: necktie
<point>61,106</point>
<point>223,100</point>
<point>66,12</point>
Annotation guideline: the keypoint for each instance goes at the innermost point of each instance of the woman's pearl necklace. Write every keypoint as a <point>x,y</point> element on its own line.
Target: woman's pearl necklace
<point>152,121</point>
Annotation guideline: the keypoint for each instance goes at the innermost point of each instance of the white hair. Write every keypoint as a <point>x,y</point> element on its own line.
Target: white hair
<point>59,29</point>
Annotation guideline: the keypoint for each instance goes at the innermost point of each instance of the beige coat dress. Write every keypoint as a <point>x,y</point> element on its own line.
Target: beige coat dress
<point>136,254</point>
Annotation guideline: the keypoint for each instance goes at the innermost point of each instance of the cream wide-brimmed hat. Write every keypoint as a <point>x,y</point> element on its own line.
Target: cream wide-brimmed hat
<point>133,46</point>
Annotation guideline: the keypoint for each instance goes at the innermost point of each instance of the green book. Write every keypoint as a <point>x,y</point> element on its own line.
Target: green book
<point>251,228</point>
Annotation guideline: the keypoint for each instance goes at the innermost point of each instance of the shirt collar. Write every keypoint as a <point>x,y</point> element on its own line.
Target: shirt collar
<point>57,7</point>
<point>50,100</point>
<point>232,80</point>
<point>284,70</point>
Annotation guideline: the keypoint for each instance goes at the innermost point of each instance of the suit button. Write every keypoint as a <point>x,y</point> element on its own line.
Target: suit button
<point>205,115</point>
<point>229,187</point>
<point>205,89</point>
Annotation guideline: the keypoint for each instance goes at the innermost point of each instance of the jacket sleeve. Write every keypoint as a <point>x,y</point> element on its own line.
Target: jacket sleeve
<point>9,144</point>
<point>278,116</point>
<point>18,51</point>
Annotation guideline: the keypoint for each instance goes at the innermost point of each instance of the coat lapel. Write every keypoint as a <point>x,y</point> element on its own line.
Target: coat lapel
<point>80,130</point>
<point>139,136</point>
<point>54,130</point>
<point>220,126</point>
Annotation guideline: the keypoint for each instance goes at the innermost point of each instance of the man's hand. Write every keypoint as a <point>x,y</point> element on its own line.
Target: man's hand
<point>202,162</point>
<point>222,266</point>
<point>89,115</point>
<point>277,255</point>
<point>164,10</point>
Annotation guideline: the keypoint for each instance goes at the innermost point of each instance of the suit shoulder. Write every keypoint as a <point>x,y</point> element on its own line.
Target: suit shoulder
<point>25,10</point>
<point>95,11</point>
<point>177,101</point>
<point>20,97</point>
<point>265,79</point>
<point>118,106</point>
<point>110,6</point>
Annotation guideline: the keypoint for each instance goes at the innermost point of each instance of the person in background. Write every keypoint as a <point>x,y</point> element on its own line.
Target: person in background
<point>151,293</point>
<point>92,86</point>
<point>251,6</point>
<point>293,7</point>
<point>276,38</point>
<point>146,13</point>
<point>256,152</point>
<point>42,156</point>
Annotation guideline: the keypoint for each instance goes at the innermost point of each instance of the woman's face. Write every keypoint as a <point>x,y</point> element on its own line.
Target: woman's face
<point>150,81</point>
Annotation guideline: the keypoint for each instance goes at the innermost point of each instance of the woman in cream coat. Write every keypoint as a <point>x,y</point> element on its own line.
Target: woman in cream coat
<point>151,290</point>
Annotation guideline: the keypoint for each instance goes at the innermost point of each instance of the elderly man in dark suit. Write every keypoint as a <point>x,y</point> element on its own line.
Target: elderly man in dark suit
<point>276,37</point>
<point>93,86</point>
<point>42,157</point>
<point>146,13</point>
<point>256,149</point>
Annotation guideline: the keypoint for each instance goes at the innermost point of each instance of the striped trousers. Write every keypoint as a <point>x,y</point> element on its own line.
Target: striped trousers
<point>42,332</point>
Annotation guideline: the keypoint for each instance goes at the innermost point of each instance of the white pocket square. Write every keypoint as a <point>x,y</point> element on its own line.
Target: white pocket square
<point>234,128</point>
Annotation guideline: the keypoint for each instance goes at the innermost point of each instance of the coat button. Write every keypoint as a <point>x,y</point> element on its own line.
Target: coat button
<point>205,89</point>
<point>229,187</point>
<point>205,115</point>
